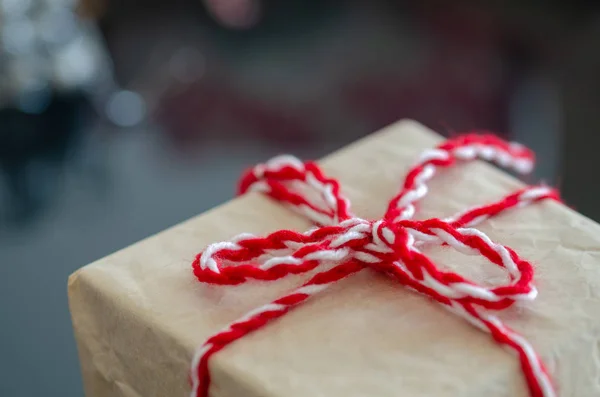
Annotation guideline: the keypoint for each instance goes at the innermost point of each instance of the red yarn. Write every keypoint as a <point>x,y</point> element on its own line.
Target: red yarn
<point>388,245</point>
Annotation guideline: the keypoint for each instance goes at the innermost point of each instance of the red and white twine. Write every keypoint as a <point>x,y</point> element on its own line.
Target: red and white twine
<point>390,245</point>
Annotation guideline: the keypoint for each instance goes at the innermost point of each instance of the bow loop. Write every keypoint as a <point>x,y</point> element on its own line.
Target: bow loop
<point>301,186</point>
<point>473,242</point>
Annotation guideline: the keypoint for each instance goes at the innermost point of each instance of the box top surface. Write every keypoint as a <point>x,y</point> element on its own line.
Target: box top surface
<point>366,335</point>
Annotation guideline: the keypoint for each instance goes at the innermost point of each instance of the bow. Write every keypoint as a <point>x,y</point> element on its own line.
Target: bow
<point>390,245</point>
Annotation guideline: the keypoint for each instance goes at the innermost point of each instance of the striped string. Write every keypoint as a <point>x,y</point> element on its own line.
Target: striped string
<point>390,245</point>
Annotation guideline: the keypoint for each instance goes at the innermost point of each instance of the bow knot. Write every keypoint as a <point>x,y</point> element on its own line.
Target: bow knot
<point>343,244</point>
<point>379,242</point>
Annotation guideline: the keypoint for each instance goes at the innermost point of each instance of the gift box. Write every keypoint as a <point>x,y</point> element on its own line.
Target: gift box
<point>140,315</point>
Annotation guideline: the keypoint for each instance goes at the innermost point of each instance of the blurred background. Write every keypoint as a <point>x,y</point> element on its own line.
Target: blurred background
<point>121,118</point>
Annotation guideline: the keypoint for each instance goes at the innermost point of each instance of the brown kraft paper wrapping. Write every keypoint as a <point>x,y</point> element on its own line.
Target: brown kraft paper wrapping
<point>139,314</point>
